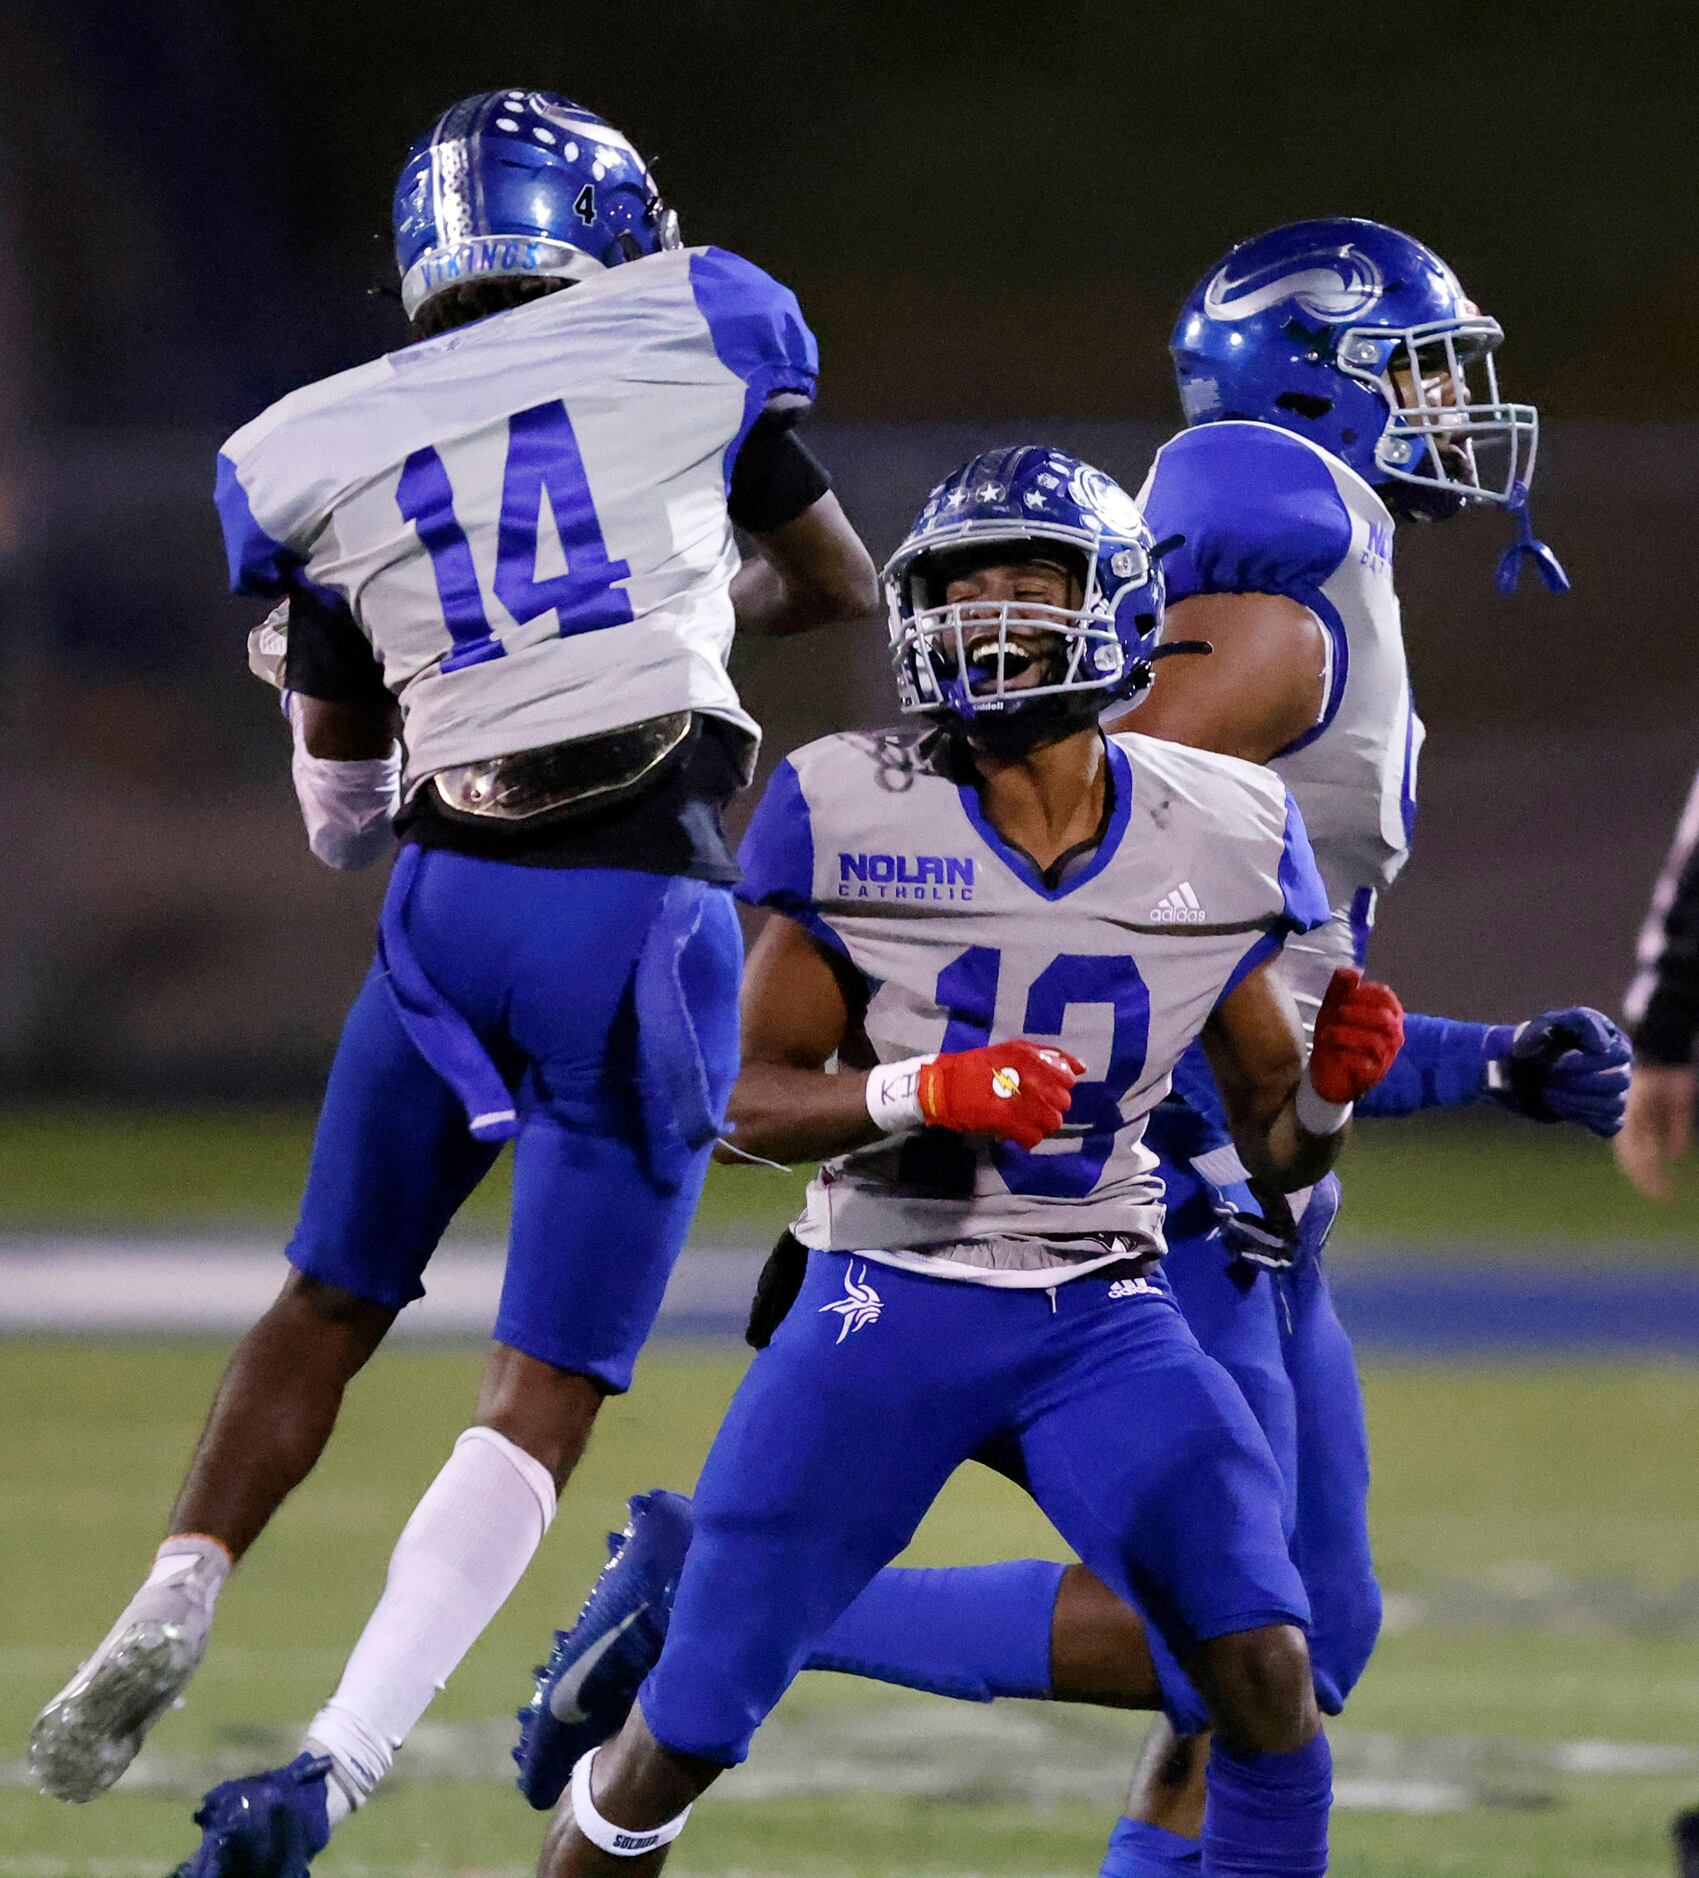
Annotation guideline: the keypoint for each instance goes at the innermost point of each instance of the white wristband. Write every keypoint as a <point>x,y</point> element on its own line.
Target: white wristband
<point>893,1095</point>
<point>1316,1115</point>
<point>349,807</point>
<point>619,1841</point>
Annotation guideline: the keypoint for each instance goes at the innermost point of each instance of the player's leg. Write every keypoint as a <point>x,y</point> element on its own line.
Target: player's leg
<point>1025,1627</point>
<point>1312,1410</point>
<point>839,1438</point>
<point>606,1180</point>
<point>391,1163</point>
<point>1331,1542</point>
<point>1236,1312</point>
<point>543,981</point>
<point>593,1243</point>
<point>1146,1457</point>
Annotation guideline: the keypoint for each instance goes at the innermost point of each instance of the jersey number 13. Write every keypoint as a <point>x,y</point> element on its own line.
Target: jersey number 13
<point>967,989</point>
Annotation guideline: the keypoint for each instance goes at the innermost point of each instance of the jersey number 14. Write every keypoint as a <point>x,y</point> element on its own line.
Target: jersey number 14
<point>542,454</point>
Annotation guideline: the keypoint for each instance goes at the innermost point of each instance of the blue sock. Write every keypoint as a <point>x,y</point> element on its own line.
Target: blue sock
<point>974,1632</point>
<point>1140,1851</point>
<point>1266,1814</point>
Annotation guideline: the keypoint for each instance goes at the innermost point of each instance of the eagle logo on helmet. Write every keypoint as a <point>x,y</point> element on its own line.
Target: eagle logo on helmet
<point>1334,286</point>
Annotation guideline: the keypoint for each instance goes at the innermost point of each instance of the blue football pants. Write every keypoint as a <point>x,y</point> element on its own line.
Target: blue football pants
<point>601,1004</point>
<point>877,1386</point>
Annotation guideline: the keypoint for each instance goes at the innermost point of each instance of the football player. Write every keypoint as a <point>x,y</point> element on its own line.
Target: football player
<point>1335,378</point>
<point>512,584</point>
<point>975,924</point>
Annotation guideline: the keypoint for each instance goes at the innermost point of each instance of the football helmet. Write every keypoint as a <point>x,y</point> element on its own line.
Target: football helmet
<point>971,660</point>
<point>521,183</point>
<point>1362,339</point>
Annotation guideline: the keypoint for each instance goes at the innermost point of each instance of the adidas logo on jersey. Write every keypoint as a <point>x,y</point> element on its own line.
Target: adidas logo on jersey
<point>1179,907</point>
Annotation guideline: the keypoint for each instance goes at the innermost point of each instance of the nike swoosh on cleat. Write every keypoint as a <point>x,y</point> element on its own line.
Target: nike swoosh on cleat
<point>566,1690</point>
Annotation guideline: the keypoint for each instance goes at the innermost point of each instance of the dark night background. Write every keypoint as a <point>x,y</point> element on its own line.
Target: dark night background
<point>990,214</point>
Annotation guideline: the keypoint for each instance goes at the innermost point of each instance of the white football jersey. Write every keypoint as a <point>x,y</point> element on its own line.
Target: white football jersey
<point>527,516</point>
<point>1202,872</point>
<point>1263,511</point>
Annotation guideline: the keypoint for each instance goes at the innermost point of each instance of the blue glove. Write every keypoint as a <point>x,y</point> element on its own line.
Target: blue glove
<point>1565,1066</point>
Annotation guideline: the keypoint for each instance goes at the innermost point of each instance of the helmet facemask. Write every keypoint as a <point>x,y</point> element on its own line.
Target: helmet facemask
<point>1449,430</point>
<point>987,657</point>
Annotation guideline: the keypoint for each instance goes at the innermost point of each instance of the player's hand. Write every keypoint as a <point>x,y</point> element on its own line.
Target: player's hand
<point>1016,1091</point>
<point>1657,1128</point>
<point>1565,1066</point>
<point>1359,1030</point>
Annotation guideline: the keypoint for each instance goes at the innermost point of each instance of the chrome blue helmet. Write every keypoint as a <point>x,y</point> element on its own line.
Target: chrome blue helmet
<point>521,183</point>
<point>972,659</point>
<point>1361,339</point>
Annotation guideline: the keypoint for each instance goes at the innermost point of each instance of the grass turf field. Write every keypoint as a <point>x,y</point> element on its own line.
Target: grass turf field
<point>1534,1709</point>
<point>1537,1530</point>
<point>1482,1179</point>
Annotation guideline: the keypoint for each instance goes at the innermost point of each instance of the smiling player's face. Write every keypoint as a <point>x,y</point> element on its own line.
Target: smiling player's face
<point>984,593</point>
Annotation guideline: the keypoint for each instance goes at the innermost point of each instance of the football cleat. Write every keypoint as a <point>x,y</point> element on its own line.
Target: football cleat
<point>269,1825</point>
<point>94,1727</point>
<point>586,1688</point>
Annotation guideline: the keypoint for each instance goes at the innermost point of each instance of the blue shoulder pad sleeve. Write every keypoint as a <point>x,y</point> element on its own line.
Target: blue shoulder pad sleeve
<point>1303,901</point>
<point>777,856</point>
<point>1303,897</point>
<point>757,326</point>
<point>258,564</point>
<point>758,332</point>
<point>777,853</point>
<point>1257,508</point>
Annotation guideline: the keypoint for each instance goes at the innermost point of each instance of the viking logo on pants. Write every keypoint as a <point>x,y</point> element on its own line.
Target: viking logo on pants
<point>858,1307</point>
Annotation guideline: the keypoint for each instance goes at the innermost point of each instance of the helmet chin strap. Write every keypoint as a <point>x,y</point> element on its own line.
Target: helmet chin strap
<point>1022,732</point>
<point>1025,731</point>
<point>1144,670</point>
<point>1527,546</point>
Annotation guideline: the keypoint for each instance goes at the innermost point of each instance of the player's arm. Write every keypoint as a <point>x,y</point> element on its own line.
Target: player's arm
<point>807,566</point>
<point>786,1105</point>
<point>1287,1116</point>
<point>1566,1065</point>
<point>346,765</point>
<point>795,1014</point>
<point>1259,691</point>
<point>1662,1008</point>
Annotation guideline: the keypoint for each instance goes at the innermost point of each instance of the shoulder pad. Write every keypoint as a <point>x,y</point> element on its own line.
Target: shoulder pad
<point>757,326</point>
<point>1258,509</point>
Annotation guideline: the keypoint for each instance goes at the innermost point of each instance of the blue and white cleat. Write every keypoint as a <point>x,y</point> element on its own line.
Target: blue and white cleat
<point>268,1826</point>
<point>586,1688</point>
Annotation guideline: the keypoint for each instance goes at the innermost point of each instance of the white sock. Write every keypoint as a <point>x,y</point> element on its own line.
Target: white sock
<point>460,1555</point>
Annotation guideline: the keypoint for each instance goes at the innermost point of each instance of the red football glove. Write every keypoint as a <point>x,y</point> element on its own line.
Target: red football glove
<point>1359,1030</point>
<point>1017,1091</point>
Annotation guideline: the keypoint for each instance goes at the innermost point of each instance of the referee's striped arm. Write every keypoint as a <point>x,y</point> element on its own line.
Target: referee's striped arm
<point>1662,1003</point>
